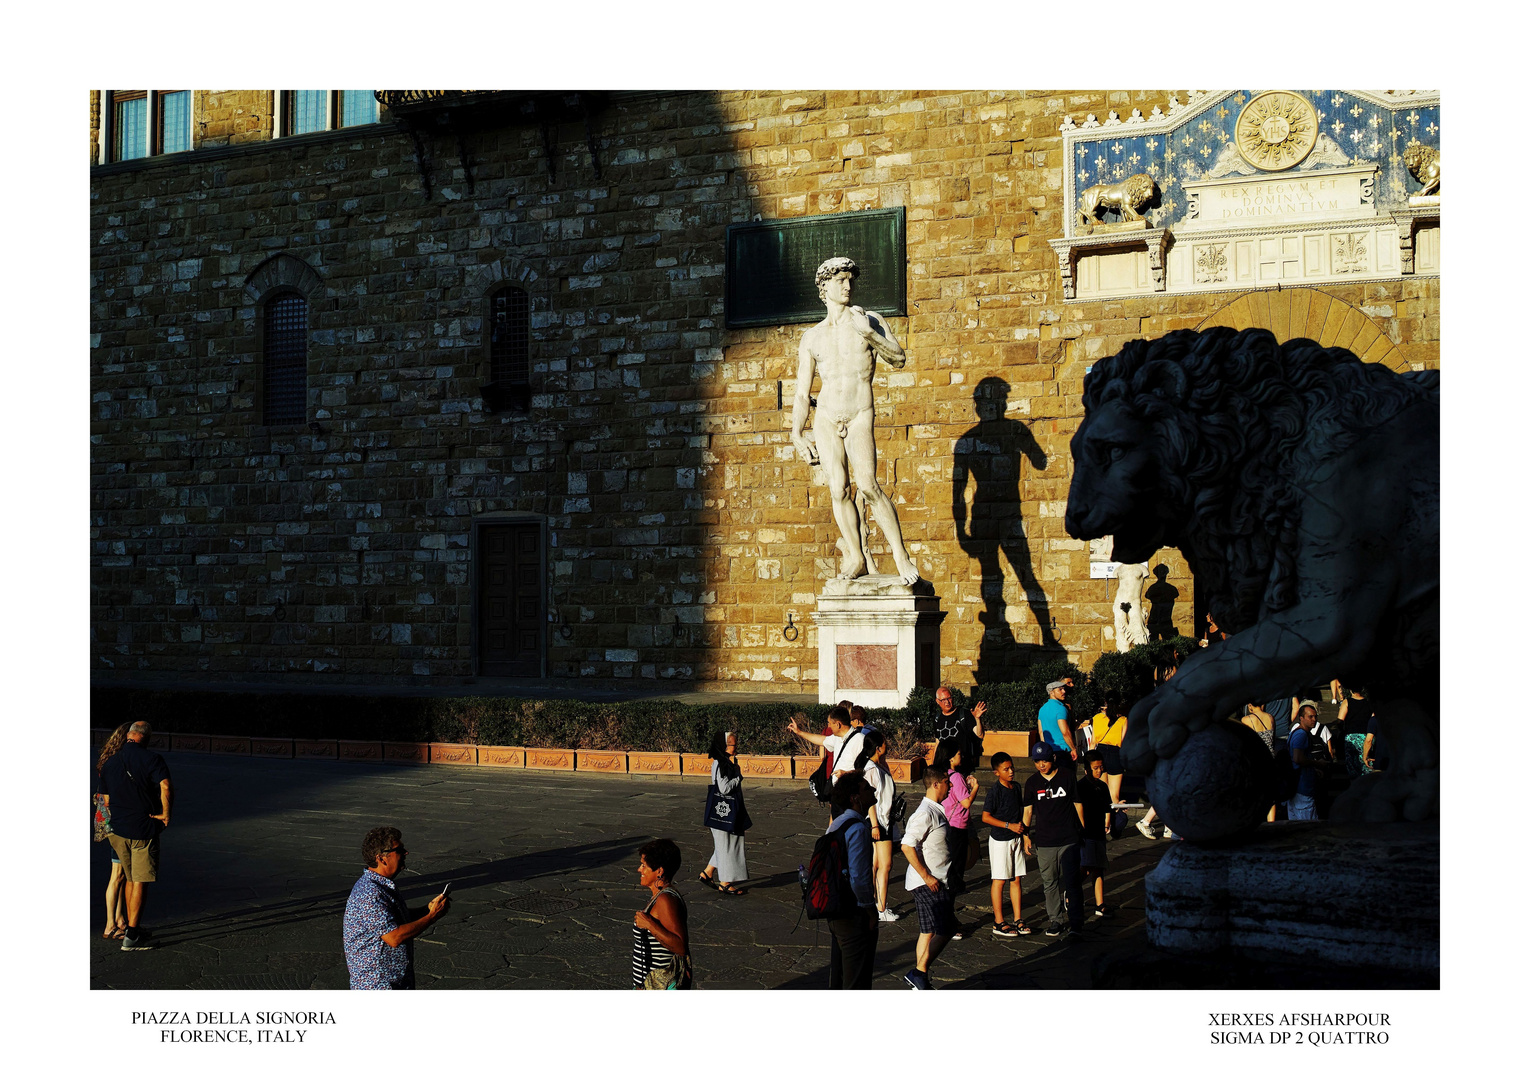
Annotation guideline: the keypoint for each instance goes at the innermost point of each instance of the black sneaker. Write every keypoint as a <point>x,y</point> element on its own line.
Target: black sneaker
<point>138,942</point>
<point>1054,930</point>
<point>1102,911</point>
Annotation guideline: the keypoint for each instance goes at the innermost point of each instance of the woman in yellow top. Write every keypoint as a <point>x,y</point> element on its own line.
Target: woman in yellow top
<point>1109,744</point>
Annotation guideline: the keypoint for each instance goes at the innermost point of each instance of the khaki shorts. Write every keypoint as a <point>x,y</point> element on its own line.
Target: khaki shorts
<point>139,858</point>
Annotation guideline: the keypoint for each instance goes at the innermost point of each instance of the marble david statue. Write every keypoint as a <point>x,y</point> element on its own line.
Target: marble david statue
<point>842,350</point>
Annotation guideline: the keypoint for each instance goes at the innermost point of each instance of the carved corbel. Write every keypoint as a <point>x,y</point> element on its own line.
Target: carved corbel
<point>1156,252</point>
<point>1068,263</point>
<point>1407,232</point>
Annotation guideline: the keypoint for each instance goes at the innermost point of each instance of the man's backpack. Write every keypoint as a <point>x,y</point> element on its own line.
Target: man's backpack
<point>826,891</point>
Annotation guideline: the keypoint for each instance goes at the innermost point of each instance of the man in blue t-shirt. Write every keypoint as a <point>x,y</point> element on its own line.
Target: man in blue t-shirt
<point>1055,727</point>
<point>1303,805</point>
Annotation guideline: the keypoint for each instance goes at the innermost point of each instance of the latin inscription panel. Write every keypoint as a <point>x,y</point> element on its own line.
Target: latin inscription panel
<point>1292,197</point>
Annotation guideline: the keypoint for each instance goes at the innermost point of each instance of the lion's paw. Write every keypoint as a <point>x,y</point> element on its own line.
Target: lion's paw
<point>1381,797</point>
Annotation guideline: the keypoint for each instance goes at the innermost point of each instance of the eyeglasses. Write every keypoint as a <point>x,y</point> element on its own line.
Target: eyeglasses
<point>389,851</point>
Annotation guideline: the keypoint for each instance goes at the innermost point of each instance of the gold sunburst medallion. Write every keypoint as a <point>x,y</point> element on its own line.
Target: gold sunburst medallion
<point>1276,130</point>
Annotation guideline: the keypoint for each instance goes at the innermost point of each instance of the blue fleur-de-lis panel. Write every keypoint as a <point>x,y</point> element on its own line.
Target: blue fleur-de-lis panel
<point>1199,144</point>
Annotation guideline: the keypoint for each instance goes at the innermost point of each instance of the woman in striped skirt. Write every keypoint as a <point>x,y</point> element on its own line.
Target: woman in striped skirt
<point>660,935</point>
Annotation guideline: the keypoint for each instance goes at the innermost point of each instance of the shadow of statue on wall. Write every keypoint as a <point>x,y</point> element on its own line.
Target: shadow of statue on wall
<point>988,455</point>
<point>1162,596</point>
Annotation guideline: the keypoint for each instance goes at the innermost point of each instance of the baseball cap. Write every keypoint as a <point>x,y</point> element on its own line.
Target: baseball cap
<point>1043,751</point>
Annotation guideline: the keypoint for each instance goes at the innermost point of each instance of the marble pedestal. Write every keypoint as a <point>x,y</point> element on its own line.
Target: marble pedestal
<point>1305,893</point>
<point>877,639</point>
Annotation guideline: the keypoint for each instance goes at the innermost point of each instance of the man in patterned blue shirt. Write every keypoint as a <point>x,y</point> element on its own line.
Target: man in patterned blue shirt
<point>379,929</point>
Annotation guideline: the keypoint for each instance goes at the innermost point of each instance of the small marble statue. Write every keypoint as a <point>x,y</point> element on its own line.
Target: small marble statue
<point>1131,625</point>
<point>842,350</point>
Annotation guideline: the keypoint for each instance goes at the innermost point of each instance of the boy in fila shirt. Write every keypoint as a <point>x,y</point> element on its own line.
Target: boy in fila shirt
<point>1054,828</point>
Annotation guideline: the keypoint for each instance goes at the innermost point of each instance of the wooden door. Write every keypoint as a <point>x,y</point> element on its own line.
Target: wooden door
<point>510,591</point>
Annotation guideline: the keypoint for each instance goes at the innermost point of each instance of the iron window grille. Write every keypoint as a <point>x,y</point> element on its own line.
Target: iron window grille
<point>509,384</point>
<point>284,384</point>
<point>510,337</point>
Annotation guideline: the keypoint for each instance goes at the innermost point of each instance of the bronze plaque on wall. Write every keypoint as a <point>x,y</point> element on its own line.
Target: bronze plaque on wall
<point>771,265</point>
<point>866,667</point>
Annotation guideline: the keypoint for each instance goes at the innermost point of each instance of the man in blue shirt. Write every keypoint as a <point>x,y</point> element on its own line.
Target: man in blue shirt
<point>853,941</point>
<point>1055,728</point>
<point>1303,805</point>
<point>379,929</point>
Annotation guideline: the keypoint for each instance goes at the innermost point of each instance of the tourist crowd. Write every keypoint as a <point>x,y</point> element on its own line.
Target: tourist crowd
<point>1056,816</point>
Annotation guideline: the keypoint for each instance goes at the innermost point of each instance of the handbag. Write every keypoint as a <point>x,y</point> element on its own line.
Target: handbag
<point>725,812</point>
<point>675,975</point>
<point>101,818</point>
<point>818,783</point>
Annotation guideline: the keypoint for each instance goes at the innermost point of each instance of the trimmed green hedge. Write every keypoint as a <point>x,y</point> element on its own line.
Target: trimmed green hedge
<point>661,725</point>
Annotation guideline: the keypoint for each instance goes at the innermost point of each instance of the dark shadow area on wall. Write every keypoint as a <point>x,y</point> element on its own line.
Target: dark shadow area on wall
<point>336,550</point>
<point>989,458</point>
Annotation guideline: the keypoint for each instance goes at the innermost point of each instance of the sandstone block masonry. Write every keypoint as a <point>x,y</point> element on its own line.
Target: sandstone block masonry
<point>682,533</point>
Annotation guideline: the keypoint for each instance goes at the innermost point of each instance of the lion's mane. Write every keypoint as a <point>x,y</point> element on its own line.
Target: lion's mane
<point>1139,190</point>
<point>1243,421</point>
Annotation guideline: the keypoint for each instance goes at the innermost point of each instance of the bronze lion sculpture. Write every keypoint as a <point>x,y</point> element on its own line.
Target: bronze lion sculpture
<point>1303,488</point>
<point>1127,198</point>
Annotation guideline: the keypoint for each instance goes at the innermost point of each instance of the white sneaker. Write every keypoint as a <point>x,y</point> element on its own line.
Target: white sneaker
<point>1168,833</point>
<point>888,915</point>
<point>1145,829</point>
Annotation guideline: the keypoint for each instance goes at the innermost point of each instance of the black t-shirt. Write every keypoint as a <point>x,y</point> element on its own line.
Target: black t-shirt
<point>130,778</point>
<point>1095,796</point>
<point>1003,803</point>
<point>1054,822</point>
<point>1357,718</point>
<point>962,727</point>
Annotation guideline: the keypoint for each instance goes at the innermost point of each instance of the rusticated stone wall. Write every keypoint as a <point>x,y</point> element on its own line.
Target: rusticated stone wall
<point>684,532</point>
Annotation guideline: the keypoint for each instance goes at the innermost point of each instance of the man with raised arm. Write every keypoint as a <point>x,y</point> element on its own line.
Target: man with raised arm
<point>843,350</point>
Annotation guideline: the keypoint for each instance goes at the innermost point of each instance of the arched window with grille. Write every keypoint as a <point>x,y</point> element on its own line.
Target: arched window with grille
<point>509,349</point>
<point>284,357</point>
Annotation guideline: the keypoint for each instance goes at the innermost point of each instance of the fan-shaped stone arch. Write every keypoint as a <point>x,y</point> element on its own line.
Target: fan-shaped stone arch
<point>282,271</point>
<point>1314,314</point>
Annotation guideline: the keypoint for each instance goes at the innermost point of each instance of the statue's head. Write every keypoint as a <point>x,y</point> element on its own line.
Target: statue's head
<point>830,267</point>
<point>990,397</point>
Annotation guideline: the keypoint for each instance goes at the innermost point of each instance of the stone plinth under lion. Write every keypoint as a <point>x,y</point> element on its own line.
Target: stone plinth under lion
<point>1302,487</point>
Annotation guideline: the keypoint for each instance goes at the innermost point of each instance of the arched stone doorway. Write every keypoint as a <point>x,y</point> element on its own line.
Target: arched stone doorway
<point>1312,313</point>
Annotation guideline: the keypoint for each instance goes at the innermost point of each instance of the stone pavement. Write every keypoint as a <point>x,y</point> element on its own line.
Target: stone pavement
<point>262,854</point>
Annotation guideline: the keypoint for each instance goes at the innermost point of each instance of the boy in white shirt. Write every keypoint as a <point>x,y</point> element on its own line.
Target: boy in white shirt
<point>929,864</point>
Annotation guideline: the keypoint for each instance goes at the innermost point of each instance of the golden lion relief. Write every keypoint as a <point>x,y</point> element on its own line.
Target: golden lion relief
<point>1128,198</point>
<point>1424,163</point>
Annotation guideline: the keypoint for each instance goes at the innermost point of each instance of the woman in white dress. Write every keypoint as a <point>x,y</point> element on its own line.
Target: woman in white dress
<point>727,866</point>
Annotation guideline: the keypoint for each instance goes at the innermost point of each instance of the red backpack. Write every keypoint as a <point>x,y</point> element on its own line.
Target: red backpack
<point>826,891</point>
